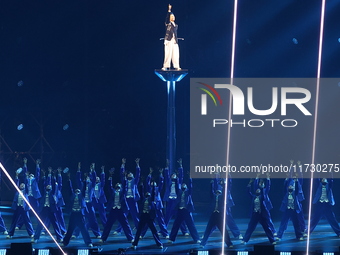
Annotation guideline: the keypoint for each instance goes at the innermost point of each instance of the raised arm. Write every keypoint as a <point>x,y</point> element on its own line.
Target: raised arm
<point>70,184</point>
<point>148,180</point>
<point>24,167</point>
<point>59,179</point>
<point>137,171</point>
<point>102,177</point>
<point>249,188</point>
<point>167,19</point>
<point>122,170</point>
<point>37,170</point>
<point>160,180</point>
<point>111,185</point>
<point>180,171</point>
<point>167,172</point>
<point>48,179</point>
<point>268,184</point>
<point>78,177</point>
<point>190,185</point>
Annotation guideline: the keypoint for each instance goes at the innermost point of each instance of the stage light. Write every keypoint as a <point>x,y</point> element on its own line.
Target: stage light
<point>285,253</point>
<point>318,76</point>
<point>295,41</point>
<point>83,252</point>
<point>3,251</point>
<point>339,40</point>
<point>202,252</point>
<point>20,126</point>
<point>65,127</point>
<point>242,253</point>
<point>43,252</point>
<point>232,68</point>
<point>328,253</point>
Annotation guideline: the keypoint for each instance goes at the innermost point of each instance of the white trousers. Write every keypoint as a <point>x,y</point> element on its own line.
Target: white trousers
<point>171,53</point>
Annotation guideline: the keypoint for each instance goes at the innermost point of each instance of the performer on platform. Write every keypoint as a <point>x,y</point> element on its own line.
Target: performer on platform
<point>216,217</point>
<point>185,207</point>
<point>171,195</point>
<point>77,208</point>
<point>21,209</point>
<point>291,208</point>
<point>118,209</point>
<point>48,208</point>
<point>259,213</point>
<point>323,202</point>
<point>132,194</point>
<point>147,215</point>
<point>151,184</point>
<point>99,198</point>
<point>171,49</point>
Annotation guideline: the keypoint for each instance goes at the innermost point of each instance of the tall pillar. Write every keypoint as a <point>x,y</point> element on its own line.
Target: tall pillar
<point>171,77</point>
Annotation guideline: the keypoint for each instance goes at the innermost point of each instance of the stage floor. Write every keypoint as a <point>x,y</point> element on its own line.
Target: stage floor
<point>323,239</point>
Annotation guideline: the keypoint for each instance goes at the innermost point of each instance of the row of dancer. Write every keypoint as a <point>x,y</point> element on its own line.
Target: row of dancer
<point>179,202</point>
<point>48,205</point>
<point>126,198</point>
<point>291,208</point>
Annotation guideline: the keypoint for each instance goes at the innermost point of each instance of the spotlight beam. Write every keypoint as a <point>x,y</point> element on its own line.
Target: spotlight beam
<point>318,76</point>
<point>232,67</point>
<point>35,213</point>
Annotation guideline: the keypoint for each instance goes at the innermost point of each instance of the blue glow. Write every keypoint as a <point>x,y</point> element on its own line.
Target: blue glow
<point>295,41</point>
<point>20,127</point>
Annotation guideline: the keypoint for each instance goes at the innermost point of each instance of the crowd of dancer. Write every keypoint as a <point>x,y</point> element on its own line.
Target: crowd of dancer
<point>158,198</point>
